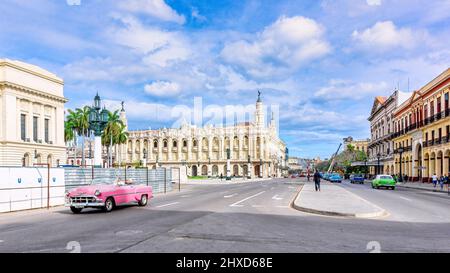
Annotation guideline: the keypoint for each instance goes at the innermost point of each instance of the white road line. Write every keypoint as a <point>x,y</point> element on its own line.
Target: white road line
<point>229,196</point>
<point>166,205</point>
<point>282,207</point>
<point>243,200</point>
<point>257,206</point>
<point>404,198</point>
<point>184,196</point>
<point>275,197</point>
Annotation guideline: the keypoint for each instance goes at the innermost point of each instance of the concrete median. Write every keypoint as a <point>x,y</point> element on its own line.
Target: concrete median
<point>334,200</point>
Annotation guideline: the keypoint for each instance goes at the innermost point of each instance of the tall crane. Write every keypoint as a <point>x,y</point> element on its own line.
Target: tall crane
<point>330,169</point>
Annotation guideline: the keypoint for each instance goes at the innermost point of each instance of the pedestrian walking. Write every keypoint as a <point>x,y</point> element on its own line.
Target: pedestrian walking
<point>307,176</point>
<point>441,182</point>
<point>434,178</point>
<point>317,180</point>
<point>221,177</point>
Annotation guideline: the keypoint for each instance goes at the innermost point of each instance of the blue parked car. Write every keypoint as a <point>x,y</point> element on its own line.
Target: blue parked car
<point>335,178</point>
<point>357,178</point>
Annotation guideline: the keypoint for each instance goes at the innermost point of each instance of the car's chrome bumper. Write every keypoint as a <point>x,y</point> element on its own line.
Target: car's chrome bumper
<point>93,203</point>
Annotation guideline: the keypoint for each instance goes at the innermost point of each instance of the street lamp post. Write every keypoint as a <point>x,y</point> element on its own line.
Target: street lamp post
<point>400,150</point>
<point>228,164</point>
<point>98,118</point>
<point>378,165</point>
<point>145,158</point>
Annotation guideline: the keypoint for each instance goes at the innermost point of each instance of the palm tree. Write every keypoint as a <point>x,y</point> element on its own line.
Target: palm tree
<point>122,138</point>
<point>113,129</point>
<point>83,127</point>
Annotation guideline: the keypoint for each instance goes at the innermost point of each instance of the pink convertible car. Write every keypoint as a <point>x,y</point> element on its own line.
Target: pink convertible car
<point>106,196</point>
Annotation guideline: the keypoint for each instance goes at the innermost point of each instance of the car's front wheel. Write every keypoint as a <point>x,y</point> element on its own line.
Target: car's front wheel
<point>144,200</point>
<point>76,210</point>
<point>109,205</point>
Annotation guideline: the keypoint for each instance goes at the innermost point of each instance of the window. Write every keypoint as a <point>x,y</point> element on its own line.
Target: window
<point>438,108</point>
<point>35,129</point>
<point>46,125</point>
<point>23,127</point>
<point>432,136</point>
<point>432,108</point>
<point>446,101</point>
<point>426,137</point>
<point>440,134</point>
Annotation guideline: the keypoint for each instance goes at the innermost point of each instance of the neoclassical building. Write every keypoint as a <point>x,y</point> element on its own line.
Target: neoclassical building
<point>422,131</point>
<point>31,115</point>
<point>380,149</point>
<point>254,148</point>
<point>358,144</point>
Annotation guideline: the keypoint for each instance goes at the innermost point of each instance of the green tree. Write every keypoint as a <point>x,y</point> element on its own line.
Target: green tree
<point>114,132</point>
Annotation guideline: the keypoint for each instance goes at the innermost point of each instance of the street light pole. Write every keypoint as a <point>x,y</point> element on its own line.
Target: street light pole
<point>400,150</point>
<point>378,166</point>
<point>98,119</point>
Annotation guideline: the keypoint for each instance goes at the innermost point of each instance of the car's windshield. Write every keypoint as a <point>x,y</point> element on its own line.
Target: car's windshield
<point>386,177</point>
<point>111,181</point>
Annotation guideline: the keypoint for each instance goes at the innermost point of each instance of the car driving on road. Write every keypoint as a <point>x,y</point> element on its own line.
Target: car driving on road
<point>357,178</point>
<point>383,180</point>
<point>107,195</point>
<point>335,178</point>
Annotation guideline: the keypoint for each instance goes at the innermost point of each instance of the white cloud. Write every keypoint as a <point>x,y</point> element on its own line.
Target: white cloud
<point>384,36</point>
<point>159,47</point>
<point>285,45</point>
<point>343,89</point>
<point>373,2</point>
<point>162,89</point>
<point>155,8</point>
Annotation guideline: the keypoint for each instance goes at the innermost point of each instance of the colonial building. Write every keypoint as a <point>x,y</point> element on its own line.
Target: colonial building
<point>381,147</point>
<point>31,115</point>
<point>358,144</point>
<point>422,131</point>
<point>254,148</point>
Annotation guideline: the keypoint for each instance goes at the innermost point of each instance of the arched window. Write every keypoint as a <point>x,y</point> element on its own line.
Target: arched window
<point>175,144</point>
<point>165,143</point>
<point>155,143</point>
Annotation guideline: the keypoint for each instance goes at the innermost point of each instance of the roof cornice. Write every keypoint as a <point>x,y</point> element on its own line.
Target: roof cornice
<point>33,91</point>
<point>41,75</point>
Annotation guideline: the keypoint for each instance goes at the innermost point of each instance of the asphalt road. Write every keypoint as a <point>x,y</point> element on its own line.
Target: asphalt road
<point>248,217</point>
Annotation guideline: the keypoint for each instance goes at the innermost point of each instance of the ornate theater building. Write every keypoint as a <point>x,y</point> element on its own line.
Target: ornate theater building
<point>249,149</point>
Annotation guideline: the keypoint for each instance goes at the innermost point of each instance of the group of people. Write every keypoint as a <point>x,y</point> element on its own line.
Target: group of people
<point>440,180</point>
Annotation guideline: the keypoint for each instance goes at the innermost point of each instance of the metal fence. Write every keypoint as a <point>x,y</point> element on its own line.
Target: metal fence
<point>160,179</point>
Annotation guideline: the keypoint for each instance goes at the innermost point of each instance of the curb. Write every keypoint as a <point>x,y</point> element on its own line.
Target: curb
<point>368,215</point>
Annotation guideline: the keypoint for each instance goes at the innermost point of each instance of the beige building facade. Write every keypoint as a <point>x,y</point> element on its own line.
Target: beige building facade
<point>358,144</point>
<point>31,115</point>
<point>255,148</point>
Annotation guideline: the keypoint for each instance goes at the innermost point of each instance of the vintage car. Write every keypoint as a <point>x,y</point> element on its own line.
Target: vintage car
<point>106,195</point>
<point>335,178</point>
<point>357,178</point>
<point>383,180</point>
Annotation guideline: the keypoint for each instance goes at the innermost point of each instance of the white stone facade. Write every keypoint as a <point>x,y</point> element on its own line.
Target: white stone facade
<point>204,150</point>
<point>32,115</point>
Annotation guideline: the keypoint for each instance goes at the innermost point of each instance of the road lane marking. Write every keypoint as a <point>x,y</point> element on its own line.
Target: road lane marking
<point>166,205</point>
<point>283,207</point>
<point>275,197</point>
<point>404,198</point>
<point>257,206</point>
<point>229,196</point>
<point>243,200</point>
<point>184,196</point>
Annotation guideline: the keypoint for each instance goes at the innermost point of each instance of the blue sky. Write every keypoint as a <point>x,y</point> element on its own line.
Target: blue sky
<point>321,61</point>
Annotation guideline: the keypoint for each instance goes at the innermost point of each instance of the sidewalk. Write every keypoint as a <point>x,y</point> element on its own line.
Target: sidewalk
<point>217,181</point>
<point>334,200</point>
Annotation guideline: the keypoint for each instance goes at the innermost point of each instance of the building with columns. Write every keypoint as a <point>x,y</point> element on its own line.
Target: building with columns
<point>380,149</point>
<point>253,148</point>
<point>422,131</point>
<point>31,115</point>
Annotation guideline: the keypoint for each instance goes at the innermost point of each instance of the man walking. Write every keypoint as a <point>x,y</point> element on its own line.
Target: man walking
<point>434,179</point>
<point>317,180</point>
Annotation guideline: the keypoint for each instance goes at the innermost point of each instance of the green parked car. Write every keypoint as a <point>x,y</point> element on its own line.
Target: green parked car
<point>383,180</point>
